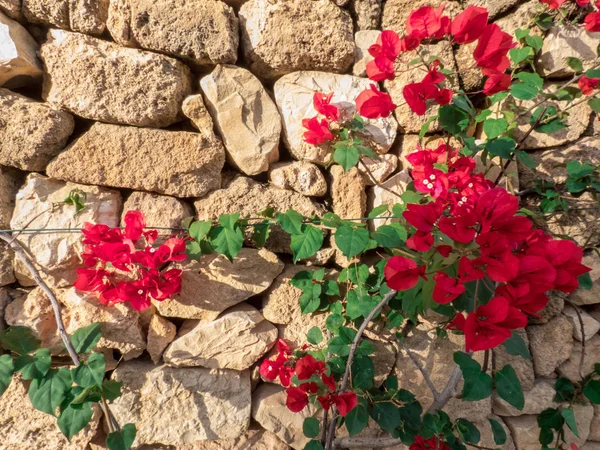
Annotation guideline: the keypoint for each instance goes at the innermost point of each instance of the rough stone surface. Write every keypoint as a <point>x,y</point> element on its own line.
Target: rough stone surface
<point>294,333</point>
<point>494,7</point>
<point>19,64</point>
<point>570,368</point>
<point>595,425</point>
<point>537,399</point>
<point>577,122</point>
<point>213,284</point>
<point>366,13</point>
<point>198,31</point>
<point>396,12</point>
<point>247,196</point>
<point>553,308</point>
<point>22,427</point>
<point>161,333</point>
<point>583,297</point>
<point>103,81</point>
<point>256,438</point>
<point>10,181</point>
<point>363,40</point>
<point>246,117</point>
<point>57,254</point>
<point>579,223</point>
<point>159,211</point>
<point>31,133</point>
<point>193,108</point>
<point>381,195</point>
<point>275,40</point>
<point>269,410</point>
<point>523,367</point>
<point>303,177</point>
<point>294,95</point>
<point>119,323</point>
<point>180,406</point>
<point>5,299</point>
<point>348,194</point>
<point>84,16</point>
<point>590,325</point>
<point>134,158</point>
<point>236,340</point>
<point>380,169</point>
<point>550,344</point>
<point>519,18</point>
<point>11,8</point>
<point>408,121</point>
<point>563,42</point>
<point>7,275</point>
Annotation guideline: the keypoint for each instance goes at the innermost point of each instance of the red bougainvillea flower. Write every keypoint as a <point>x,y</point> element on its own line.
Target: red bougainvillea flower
<point>492,48</point>
<point>344,402</point>
<point>469,24</point>
<point>582,2</point>
<point>428,444</point>
<point>428,22</point>
<point>380,69</point>
<point>402,273</point>
<point>372,103</point>
<point>322,104</point>
<point>467,271</point>
<point>422,217</point>
<point>90,280</point>
<point>307,366</point>
<point>95,234</point>
<point>409,42</point>
<point>272,369</point>
<point>328,381</point>
<point>553,4</point>
<point>296,399</point>
<point>388,45</point>
<point>420,241</point>
<point>496,83</point>
<point>317,131</point>
<point>417,94</point>
<point>566,258</point>
<point>459,229</point>
<point>444,250</point>
<point>134,225</point>
<point>587,85</point>
<point>446,288</point>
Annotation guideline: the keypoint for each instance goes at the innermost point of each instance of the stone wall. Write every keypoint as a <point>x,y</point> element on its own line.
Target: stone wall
<point>194,107</point>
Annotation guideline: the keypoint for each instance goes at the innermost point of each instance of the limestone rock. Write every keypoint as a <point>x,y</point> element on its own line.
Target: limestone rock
<point>494,7</point>
<point>519,18</point>
<point>396,12</point>
<point>523,367</point>
<point>294,95</point>
<point>84,16</point>
<point>57,254</point>
<point>294,333</point>
<point>550,344</point>
<point>19,64</point>
<point>32,133</point>
<point>194,109</point>
<point>577,122</point>
<point>11,8</point>
<point>583,297</point>
<point>5,299</point>
<point>595,425</point>
<point>10,181</point>
<point>408,121</point>
<point>179,406</point>
<point>553,308</point>
<point>236,340</point>
<point>159,211</point>
<point>134,158</point>
<point>363,40</point>
<point>348,194</point>
<point>563,42</point>
<point>300,176</point>
<point>590,325</point>
<point>199,31</point>
<point>366,13</point>
<point>161,333</point>
<point>404,146</point>
<point>380,169</point>
<point>246,117</point>
<point>256,438</point>
<point>213,284</point>
<point>570,368</point>
<point>275,40</point>
<point>377,195</point>
<point>471,77</point>
<point>7,275</point>
<point>537,399</point>
<point>579,223</point>
<point>103,81</point>
<point>22,427</point>
<point>270,411</point>
<point>247,196</point>
<point>487,434</point>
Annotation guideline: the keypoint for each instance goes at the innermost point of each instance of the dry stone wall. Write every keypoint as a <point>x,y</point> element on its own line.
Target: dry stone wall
<point>179,108</point>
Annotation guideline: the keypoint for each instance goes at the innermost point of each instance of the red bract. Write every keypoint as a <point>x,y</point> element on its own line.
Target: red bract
<point>428,22</point>
<point>134,225</point>
<point>428,444</point>
<point>317,131</point>
<point>345,402</point>
<point>380,69</point>
<point>553,4</point>
<point>492,48</point>
<point>272,369</point>
<point>402,273</point>
<point>469,24</point>
<point>587,85</point>
<point>422,217</point>
<point>420,241</point>
<point>446,288</point>
<point>307,366</point>
<point>321,103</point>
<point>417,94</point>
<point>459,229</point>
<point>296,399</point>
<point>496,83</point>
<point>372,103</point>
<point>90,280</point>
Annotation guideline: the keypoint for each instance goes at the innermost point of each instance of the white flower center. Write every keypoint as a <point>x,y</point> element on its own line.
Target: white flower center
<point>429,186</point>
<point>425,182</point>
<point>140,292</point>
<point>470,185</point>
<point>152,250</point>
<point>432,177</point>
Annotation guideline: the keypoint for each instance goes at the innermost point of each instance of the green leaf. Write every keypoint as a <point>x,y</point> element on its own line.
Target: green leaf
<point>351,241</point>
<point>20,340</point>
<point>227,241</point>
<point>314,336</point>
<point>48,393</point>
<point>313,445</point>
<point>478,385</point>
<point>520,33</point>
<point>379,210</point>
<point>199,229</point>
<point>7,369</point>
<point>261,233</point>
<point>86,338</point>
<point>453,119</point>
<point>228,221</point>
<point>36,366</point>
<point>310,299</point>
<point>121,440</point>
<point>578,170</point>
<point>592,73</point>
<point>330,288</point>
<point>306,244</point>
<point>425,127</point>
<point>532,79</point>
<point>73,419</point>
<point>592,391</point>
<point>523,91</point>
<point>365,348</point>
<point>390,236</point>
<point>112,389</point>
<point>546,127</point>
<point>524,158</point>
<point>302,279</point>
<point>494,127</point>
<point>517,346</point>
<point>483,115</point>
<point>363,373</point>
<point>291,221</point>
<point>569,417</point>
<point>502,147</point>
<point>565,390</point>
<point>468,432</point>
<point>575,64</point>
<point>334,322</point>
<point>357,419</point>
<point>536,42</point>
<point>594,103</point>
<point>338,346</point>
<point>518,55</point>
<point>509,388</point>
<point>346,155</point>
<point>311,427</point>
<point>386,415</point>
<point>585,281</point>
<point>91,372</point>
<point>498,431</point>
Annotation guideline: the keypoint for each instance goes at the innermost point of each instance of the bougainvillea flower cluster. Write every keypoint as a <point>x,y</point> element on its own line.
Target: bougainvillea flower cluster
<point>591,20</point>
<point>119,271</point>
<point>491,243</point>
